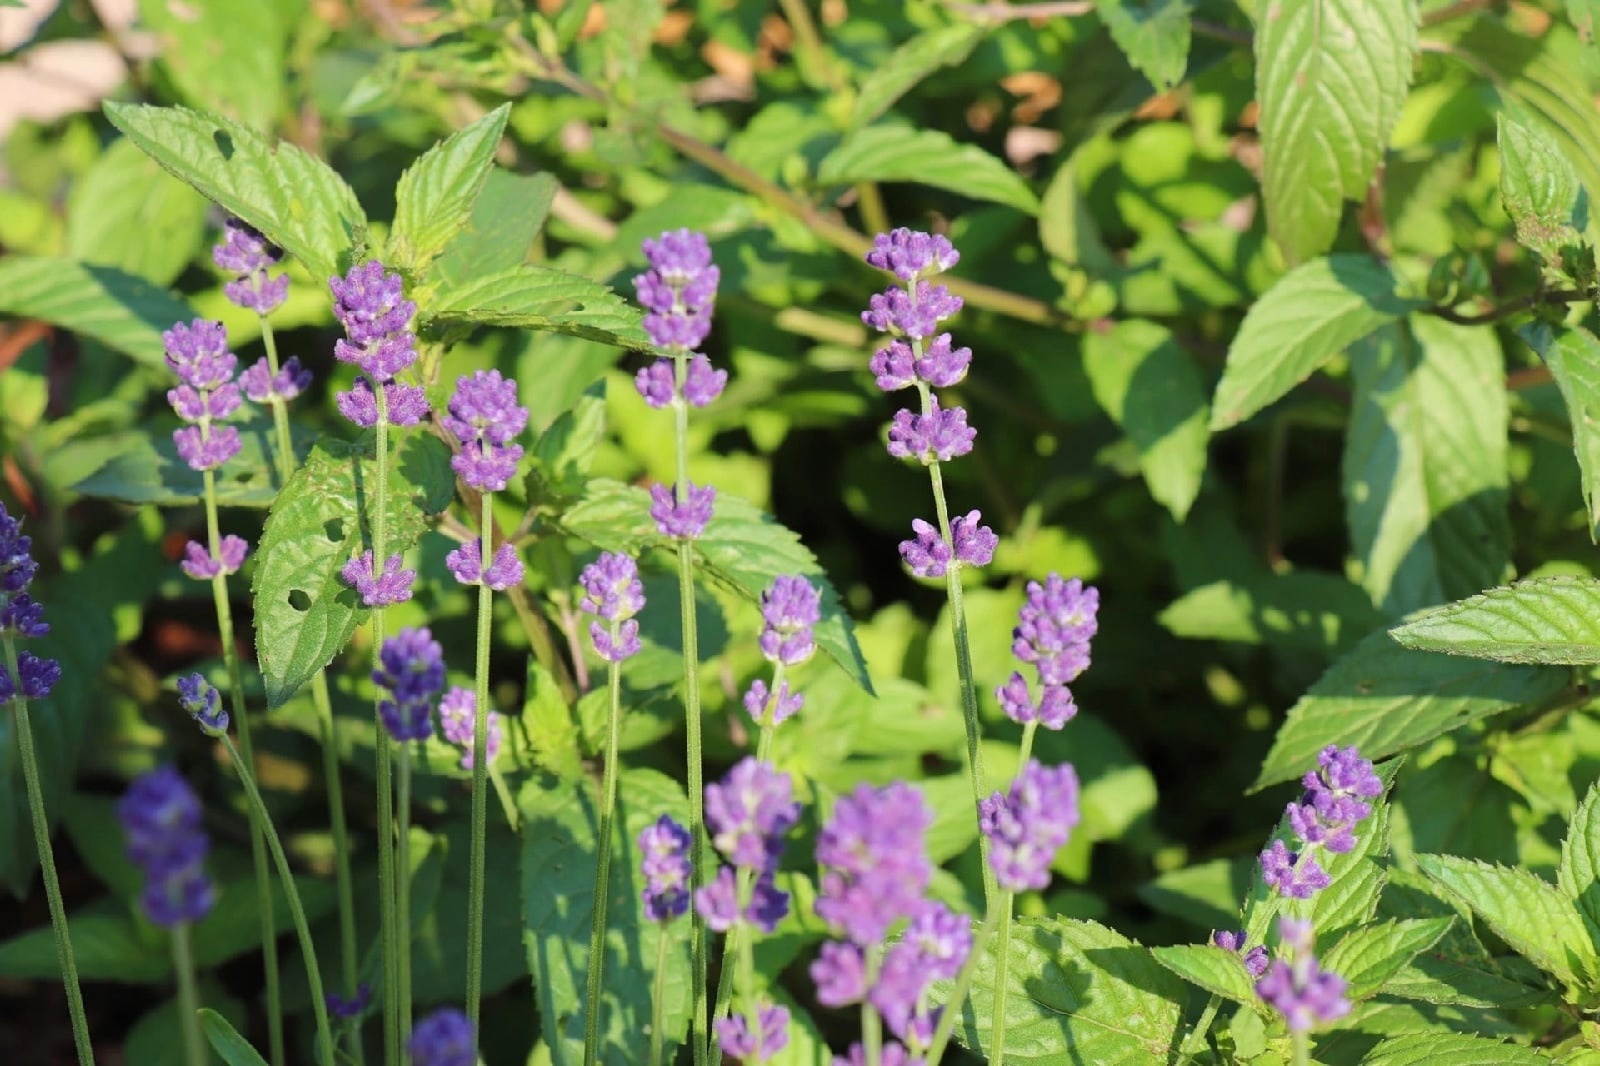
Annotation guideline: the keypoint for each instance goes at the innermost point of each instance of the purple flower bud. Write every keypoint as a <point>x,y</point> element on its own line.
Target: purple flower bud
<point>246,253</point>
<point>702,384</point>
<point>203,566</point>
<point>1055,707</point>
<point>784,704</point>
<point>369,303</point>
<point>206,447</point>
<point>938,436</point>
<point>21,615</point>
<point>894,367</point>
<point>1299,989</point>
<point>666,867</point>
<point>1297,876</point>
<point>737,1041</point>
<point>458,716</point>
<point>35,678</point>
<point>1335,799</point>
<point>611,587</point>
<point>941,366</point>
<point>717,901</point>
<point>411,670</point>
<point>204,704</point>
<point>875,861</point>
<point>840,974</point>
<point>615,648</point>
<point>504,572</point>
<point>974,543</point>
<point>934,948</point>
<point>907,314</point>
<point>1254,959</point>
<point>406,405</point>
<point>1054,628</point>
<point>908,254</point>
<point>928,555</point>
<point>262,386</point>
<point>749,812</point>
<point>485,417</point>
<point>392,586</point>
<point>657,383</point>
<point>678,290</point>
<point>161,820</point>
<point>198,354</point>
<point>791,606</point>
<point>687,519</point>
<point>17,566</point>
<point>443,1038</point>
<point>260,294</point>
<point>345,1009</point>
<point>197,406</point>
<point>1028,825</point>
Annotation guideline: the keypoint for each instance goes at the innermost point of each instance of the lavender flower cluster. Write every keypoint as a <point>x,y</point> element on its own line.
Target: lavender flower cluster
<point>612,592</point>
<point>1324,817</point>
<point>161,821</point>
<point>411,674</point>
<point>250,257</point>
<point>443,1038</point>
<point>370,304</point>
<point>21,616</point>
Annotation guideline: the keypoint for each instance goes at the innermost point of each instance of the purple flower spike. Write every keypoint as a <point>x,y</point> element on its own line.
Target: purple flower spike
<point>1335,799</point>
<point>657,383</point>
<point>198,354</point>
<point>1299,989</point>
<point>262,386</point>
<point>718,901</point>
<point>666,868</point>
<point>938,436</point>
<point>371,306</point>
<point>702,384</point>
<point>840,974</point>
<point>505,571</point>
<point>17,565</point>
<point>875,861</point>
<point>784,704</point>
<point>203,450</point>
<point>347,1008</point>
<point>934,948</point>
<point>203,566</point>
<point>204,704</point>
<point>391,586</point>
<point>611,587</point>
<point>907,314</point>
<point>443,1038</point>
<point>1297,876</point>
<point>1055,626</point>
<point>614,649</point>
<point>1029,824</point>
<point>411,670</point>
<point>928,555</point>
<point>246,253</point>
<point>1055,708</point>
<point>458,716</point>
<point>909,254</point>
<point>749,812</point>
<point>790,606</point>
<point>737,1041</point>
<point>678,290</point>
<point>1254,958</point>
<point>485,417</point>
<point>22,616</point>
<point>35,678</point>
<point>687,519</point>
<point>161,820</point>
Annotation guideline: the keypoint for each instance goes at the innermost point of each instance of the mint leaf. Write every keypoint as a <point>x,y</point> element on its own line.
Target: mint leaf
<point>1153,34</point>
<point>1573,355</point>
<point>540,298</point>
<point>1214,969</point>
<point>925,157</point>
<point>909,64</point>
<point>225,1040</point>
<point>224,55</point>
<point>506,218</point>
<point>124,312</point>
<point>1541,620</point>
<point>1540,188</point>
<point>436,194</point>
<point>1579,873</point>
<point>120,202</point>
<point>1368,957</point>
<point>1450,1049</point>
<point>144,467</point>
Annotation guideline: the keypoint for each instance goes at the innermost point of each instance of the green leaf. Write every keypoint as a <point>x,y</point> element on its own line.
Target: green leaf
<point>1150,387</point>
<point>1330,78</point>
<point>1528,913</point>
<point>1367,957</point>
<point>925,157</point>
<point>107,945</point>
<point>1579,873</point>
<point>742,548</point>
<point>1077,992</point>
<point>1584,15</point>
<point>119,202</point>
<point>506,219</point>
<point>1386,699</point>
<point>121,311</point>
<point>291,196</point>
<point>1311,315</point>
<point>1541,620</point>
<point>1425,464</point>
<point>1573,355</point>
<point>1451,1049</point>
<point>145,468</point>
<point>225,1040</point>
<point>305,613</point>
<point>558,884</point>
<point>156,1039</point>
<point>1540,189</point>
<point>908,65</point>
<point>436,195</point>
<point>541,298</point>
<point>1217,970</point>
<point>1153,34</point>
<point>1302,609</point>
<point>223,55</point>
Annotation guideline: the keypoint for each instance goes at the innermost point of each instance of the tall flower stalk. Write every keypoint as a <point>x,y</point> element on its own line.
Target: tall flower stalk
<point>613,594</point>
<point>369,302</point>
<point>668,869</point>
<point>25,676</point>
<point>678,291</point>
<point>485,418</point>
<point>919,356</point>
<point>198,354</point>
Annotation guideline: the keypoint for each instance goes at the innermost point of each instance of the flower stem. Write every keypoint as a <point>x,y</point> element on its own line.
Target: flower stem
<point>480,766</point>
<point>47,867</point>
<point>194,1044</point>
<point>258,854</point>
<point>658,997</point>
<point>997,1025</point>
<point>1300,1041</point>
<point>280,410</point>
<point>1197,1035</point>
<point>958,994</point>
<point>308,947</point>
<point>871,1024</point>
<point>403,888</point>
<point>602,875</point>
<point>348,960</point>
<point>1026,753</point>
<point>381,755</point>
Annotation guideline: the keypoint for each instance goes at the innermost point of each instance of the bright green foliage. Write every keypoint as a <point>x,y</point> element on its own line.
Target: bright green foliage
<point>224,56</point>
<point>436,195</point>
<point>540,298</point>
<point>145,468</point>
<point>1579,873</point>
<point>1450,1049</point>
<point>1153,33</point>
<point>1217,970</point>
<point>1367,957</point>
<point>117,309</point>
<point>1540,188</point>
<point>122,200</point>
<point>1541,620</point>
<point>225,1040</point>
<point>1573,356</point>
<point>926,157</point>
<point>920,57</point>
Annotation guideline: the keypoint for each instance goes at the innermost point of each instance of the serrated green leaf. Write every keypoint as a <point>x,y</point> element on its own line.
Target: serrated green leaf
<point>1330,79</point>
<point>145,468</point>
<point>119,202</point>
<point>291,196</point>
<point>1153,34</point>
<point>1573,355</point>
<point>1302,609</point>
<point>541,298</point>
<point>435,197</point>
<point>1542,620</point>
<point>1368,957</point>
<point>741,547</point>
<point>1217,970</point>
<point>909,64</point>
<point>1386,699</point>
<point>223,55</point>
<point>558,883</point>
<point>1311,315</point>
<point>225,1040</point>
<point>1077,992</point>
<point>1526,912</point>
<point>1451,1049</point>
<point>506,219</point>
<point>1579,873</point>
<point>121,311</point>
<point>925,157</point>
<point>1424,471</point>
<point>1539,188</point>
<point>305,613</point>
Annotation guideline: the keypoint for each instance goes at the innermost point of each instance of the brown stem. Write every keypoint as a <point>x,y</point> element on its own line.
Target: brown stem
<point>1515,307</point>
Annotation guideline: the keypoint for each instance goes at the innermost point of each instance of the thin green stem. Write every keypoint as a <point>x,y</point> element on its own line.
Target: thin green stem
<point>308,947</point>
<point>1026,751</point>
<point>349,963</point>
<point>47,867</point>
<point>997,1025</point>
<point>480,764</point>
<point>194,1043</point>
<point>658,996</point>
<point>602,875</point>
<point>1197,1035</point>
<point>403,888</point>
<point>1300,1041</point>
<point>280,410</point>
<point>507,803</point>
<point>258,855</point>
<point>382,753</point>
<point>871,1024</point>
<point>958,994</point>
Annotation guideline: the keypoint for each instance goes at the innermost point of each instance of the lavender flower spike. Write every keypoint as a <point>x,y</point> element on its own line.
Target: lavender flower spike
<point>1028,825</point>
<point>1054,628</point>
<point>262,386</point>
<point>791,606</point>
<point>613,592</point>
<point>929,555</point>
<point>733,1033</point>
<point>411,670</point>
<point>687,519</point>
<point>666,868</point>
<point>201,565</point>
<point>485,418</point>
<point>248,255</point>
<point>458,716</point>
<point>204,704</point>
<point>910,254</point>
<point>748,813</point>
<point>504,572</point>
<point>161,820</point>
<point>390,586</point>
<point>443,1038</point>
<point>1299,989</point>
<point>678,290</point>
<point>875,861</point>
<point>198,354</point>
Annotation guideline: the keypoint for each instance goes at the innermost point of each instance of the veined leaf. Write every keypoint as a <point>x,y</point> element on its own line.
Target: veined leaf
<point>1153,34</point>
<point>1579,873</point>
<point>1386,699</point>
<point>1541,620</point>
<point>925,157</point>
<point>542,298</point>
<point>225,1040</point>
<point>121,311</point>
<point>1312,314</point>
<point>1540,188</point>
<point>120,202</point>
<point>222,54</point>
<point>145,468</point>
<point>1217,970</point>
<point>909,64</point>
<point>292,197</point>
<point>506,218</point>
<point>1451,1049</point>
<point>1330,77</point>
<point>1573,356</point>
<point>1425,463</point>
<point>436,194</point>
<point>1367,957</point>
<point>1302,609</point>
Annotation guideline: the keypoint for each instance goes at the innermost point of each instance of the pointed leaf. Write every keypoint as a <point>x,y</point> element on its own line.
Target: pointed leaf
<point>909,64</point>
<point>122,199</point>
<point>1573,356</point>
<point>1540,188</point>
<point>436,194</point>
<point>1311,315</point>
<point>292,197</point>
<point>145,468</point>
<point>225,1040</point>
<point>1541,620</point>
<point>506,219</point>
<point>1153,34</point>
<point>1214,969</point>
<point>224,55</point>
<point>925,157</point>
<point>1579,873</point>
<point>1330,78</point>
<point>1386,699</point>
<point>1303,609</point>
<point>1451,1049</point>
<point>542,298</point>
<point>1367,957</point>
<point>121,311</point>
